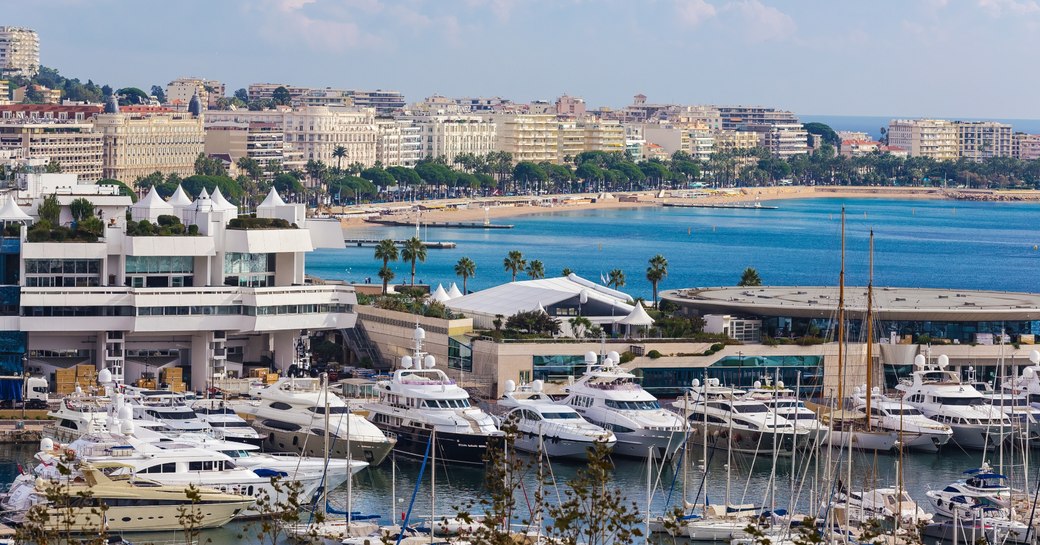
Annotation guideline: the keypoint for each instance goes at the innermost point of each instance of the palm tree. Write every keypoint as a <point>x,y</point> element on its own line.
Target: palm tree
<point>616,278</point>
<point>387,251</point>
<point>656,272</point>
<point>750,278</point>
<point>514,263</point>
<point>339,153</point>
<point>536,270</point>
<point>414,250</point>
<point>465,268</point>
<point>566,271</point>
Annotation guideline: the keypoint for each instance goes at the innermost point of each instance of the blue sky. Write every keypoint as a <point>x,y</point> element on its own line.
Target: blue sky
<point>966,58</point>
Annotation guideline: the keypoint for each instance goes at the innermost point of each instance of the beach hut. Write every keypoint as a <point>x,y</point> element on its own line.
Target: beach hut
<point>637,319</point>
<point>439,294</point>
<point>151,207</point>
<point>453,291</point>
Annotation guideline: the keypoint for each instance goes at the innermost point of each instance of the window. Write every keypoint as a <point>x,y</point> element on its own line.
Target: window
<point>249,270</point>
<point>62,272</point>
<point>281,406</point>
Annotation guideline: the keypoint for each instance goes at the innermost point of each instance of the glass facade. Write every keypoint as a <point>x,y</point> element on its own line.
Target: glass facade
<point>248,270</point>
<point>738,371</point>
<point>48,273</point>
<point>557,367</point>
<point>460,355</point>
<point>961,331</point>
<point>159,271</point>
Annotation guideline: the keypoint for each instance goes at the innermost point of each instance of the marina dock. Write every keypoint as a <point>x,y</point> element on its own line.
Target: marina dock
<point>431,244</point>
<point>442,224</point>
<point>739,206</point>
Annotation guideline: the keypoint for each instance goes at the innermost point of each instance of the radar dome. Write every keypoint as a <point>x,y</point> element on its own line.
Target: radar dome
<point>757,384</point>
<point>104,376</point>
<point>614,356</point>
<point>419,334</point>
<point>46,444</point>
<point>695,383</point>
<point>919,360</point>
<point>125,413</point>
<point>429,361</point>
<point>537,386</point>
<point>944,361</point>
<point>406,362</point>
<point>780,384</point>
<point>510,386</point>
<point>1028,372</point>
<point>127,428</point>
<point>590,357</point>
<point>1034,356</point>
<point>583,297</point>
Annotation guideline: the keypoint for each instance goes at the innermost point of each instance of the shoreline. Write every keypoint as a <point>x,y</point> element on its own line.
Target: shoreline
<point>473,210</point>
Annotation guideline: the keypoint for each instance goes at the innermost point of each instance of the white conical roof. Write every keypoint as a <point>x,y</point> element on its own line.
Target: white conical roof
<point>453,291</point>
<point>638,316</point>
<point>179,199</point>
<point>152,201</point>
<point>439,294</point>
<point>272,200</point>
<point>203,194</point>
<point>541,308</point>
<point>220,203</point>
<point>11,212</point>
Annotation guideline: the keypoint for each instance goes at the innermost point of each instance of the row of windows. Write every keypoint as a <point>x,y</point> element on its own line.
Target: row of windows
<point>160,264</point>
<point>62,266</point>
<point>62,281</point>
<point>243,263</point>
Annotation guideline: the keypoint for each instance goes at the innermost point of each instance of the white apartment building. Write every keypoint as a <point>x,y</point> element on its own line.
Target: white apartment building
<point>528,137</point>
<point>73,144</point>
<point>935,138</point>
<point>782,139</point>
<point>412,148</point>
<point>1025,146</point>
<point>180,91</point>
<point>981,140</point>
<point>262,142</point>
<point>388,142</point>
<point>19,52</point>
<point>607,136</point>
<point>449,136</point>
<point>702,145</point>
<point>137,144</point>
<point>234,294</point>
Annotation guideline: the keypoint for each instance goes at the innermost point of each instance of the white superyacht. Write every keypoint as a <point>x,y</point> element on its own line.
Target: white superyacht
<point>543,425</point>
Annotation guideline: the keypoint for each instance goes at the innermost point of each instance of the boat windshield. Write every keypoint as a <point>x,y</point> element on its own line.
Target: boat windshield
<point>633,405</point>
<point>905,411</point>
<point>965,400</point>
<point>445,403</point>
<point>173,415</point>
<point>230,424</point>
<point>751,408</point>
<point>561,416</point>
<point>222,410</point>
<point>1009,402</point>
<point>332,410</point>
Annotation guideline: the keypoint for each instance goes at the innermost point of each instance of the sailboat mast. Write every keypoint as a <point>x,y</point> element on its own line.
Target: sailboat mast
<point>841,315</point>
<point>870,329</point>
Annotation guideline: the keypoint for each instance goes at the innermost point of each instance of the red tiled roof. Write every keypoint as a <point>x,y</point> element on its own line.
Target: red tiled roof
<point>53,108</point>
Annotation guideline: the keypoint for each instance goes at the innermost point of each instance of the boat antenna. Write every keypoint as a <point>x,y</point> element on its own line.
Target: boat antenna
<point>841,314</point>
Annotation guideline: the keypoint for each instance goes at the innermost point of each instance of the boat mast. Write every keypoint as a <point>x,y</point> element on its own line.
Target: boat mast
<point>841,315</point>
<point>870,330</point>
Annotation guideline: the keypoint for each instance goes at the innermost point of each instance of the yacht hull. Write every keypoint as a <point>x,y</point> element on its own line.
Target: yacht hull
<point>864,440</point>
<point>140,518</point>
<point>637,444</point>
<point>309,444</point>
<point>450,447</point>
<point>716,530</point>
<point>749,441</point>
<point>926,442</point>
<point>555,447</point>
<point>977,437</point>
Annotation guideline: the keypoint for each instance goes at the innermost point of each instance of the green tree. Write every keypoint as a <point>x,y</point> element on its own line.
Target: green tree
<point>209,166</point>
<point>535,322</point>
<point>465,268</point>
<point>378,177</point>
<point>828,134</point>
<point>566,271</point>
<point>616,278</point>
<point>281,96</point>
<point>159,93</point>
<point>750,277</point>
<point>536,269</point>
<point>387,251</point>
<point>124,189</point>
<point>49,210</point>
<point>52,167</point>
<point>243,95</point>
<point>580,326</point>
<point>81,209</point>
<point>132,95</point>
<point>656,272</point>
<point>287,184</point>
<point>514,263</point>
<point>414,250</point>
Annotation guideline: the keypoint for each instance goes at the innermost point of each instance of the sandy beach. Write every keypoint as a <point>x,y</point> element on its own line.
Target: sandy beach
<point>473,210</point>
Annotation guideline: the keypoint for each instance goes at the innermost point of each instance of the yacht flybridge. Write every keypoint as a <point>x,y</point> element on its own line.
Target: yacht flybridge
<point>941,395</point>
<point>420,400</point>
<point>610,397</point>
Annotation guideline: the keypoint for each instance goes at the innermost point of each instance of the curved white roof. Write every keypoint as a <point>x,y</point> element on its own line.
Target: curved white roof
<point>179,199</point>
<point>524,295</point>
<point>11,212</point>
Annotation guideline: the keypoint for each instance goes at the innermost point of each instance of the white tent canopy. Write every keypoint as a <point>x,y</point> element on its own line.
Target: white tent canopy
<point>439,294</point>
<point>272,200</point>
<point>179,199</point>
<point>221,203</point>
<point>638,317</point>
<point>11,213</point>
<point>453,291</point>
<point>151,207</point>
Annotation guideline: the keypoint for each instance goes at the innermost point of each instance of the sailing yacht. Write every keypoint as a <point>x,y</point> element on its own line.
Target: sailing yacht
<point>918,431</point>
<point>292,414</point>
<point>543,425</point>
<point>132,504</point>
<point>941,395</point>
<point>609,397</point>
<point>736,422</point>
<point>420,398</point>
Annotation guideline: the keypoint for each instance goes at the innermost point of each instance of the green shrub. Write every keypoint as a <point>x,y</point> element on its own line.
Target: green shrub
<point>250,222</point>
<point>653,354</point>
<point>627,356</point>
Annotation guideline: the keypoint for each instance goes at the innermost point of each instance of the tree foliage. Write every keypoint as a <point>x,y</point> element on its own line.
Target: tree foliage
<point>534,322</point>
<point>750,277</point>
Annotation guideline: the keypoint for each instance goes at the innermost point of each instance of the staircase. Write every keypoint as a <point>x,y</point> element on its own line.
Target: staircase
<point>358,343</point>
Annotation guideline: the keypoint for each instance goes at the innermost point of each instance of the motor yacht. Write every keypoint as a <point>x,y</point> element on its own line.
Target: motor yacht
<point>942,396</point>
<point>291,412</point>
<point>224,421</point>
<point>419,400</point>
<point>984,488</point>
<point>76,416</point>
<point>556,429</point>
<point>166,408</point>
<point>914,429</point>
<point>885,504</point>
<point>732,421</point>
<point>133,504</point>
<point>785,403</point>
<point>610,397</point>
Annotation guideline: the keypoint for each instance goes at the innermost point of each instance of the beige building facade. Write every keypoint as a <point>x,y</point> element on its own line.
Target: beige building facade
<point>528,137</point>
<point>1025,146</point>
<point>449,136</point>
<point>138,144</point>
<point>19,51</point>
<point>934,138</point>
<point>73,144</point>
<point>981,140</point>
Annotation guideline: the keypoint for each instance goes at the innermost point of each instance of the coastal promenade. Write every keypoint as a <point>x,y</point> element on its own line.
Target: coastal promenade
<point>477,209</point>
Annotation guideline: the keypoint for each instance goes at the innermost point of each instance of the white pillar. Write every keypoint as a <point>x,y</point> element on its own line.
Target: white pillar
<point>284,348</point>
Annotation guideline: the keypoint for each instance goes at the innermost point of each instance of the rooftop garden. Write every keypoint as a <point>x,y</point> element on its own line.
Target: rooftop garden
<point>165,226</point>
<point>85,227</point>
<point>412,301</point>
<point>253,222</point>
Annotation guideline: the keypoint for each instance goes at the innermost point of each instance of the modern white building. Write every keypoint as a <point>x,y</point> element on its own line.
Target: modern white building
<point>218,293</point>
<point>19,52</point>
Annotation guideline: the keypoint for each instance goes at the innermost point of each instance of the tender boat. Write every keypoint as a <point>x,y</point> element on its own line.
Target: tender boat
<point>887,504</point>
<point>291,412</point>
<point>419,400</point>
<point>609,396</point>
<point>543,425</point>
<point>77,416</point>
<point>941,395</point>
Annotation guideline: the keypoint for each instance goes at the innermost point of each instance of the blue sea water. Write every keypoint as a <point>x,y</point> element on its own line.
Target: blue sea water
<point>871,124</point>
<point>939,244</point>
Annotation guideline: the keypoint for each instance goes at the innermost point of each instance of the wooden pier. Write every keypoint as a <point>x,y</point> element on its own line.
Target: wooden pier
<point>431,244</point>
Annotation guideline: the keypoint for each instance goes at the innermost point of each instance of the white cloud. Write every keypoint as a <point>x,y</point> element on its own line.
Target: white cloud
<point>694,12</point>
<point>764,23</point>
<point>998,8</point>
